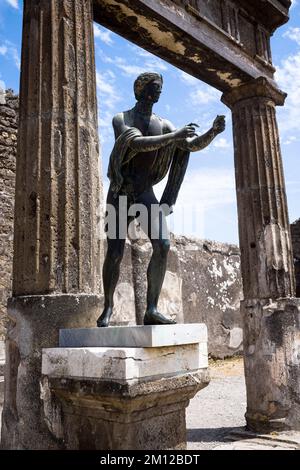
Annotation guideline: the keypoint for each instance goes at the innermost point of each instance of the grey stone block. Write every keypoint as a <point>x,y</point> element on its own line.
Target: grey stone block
<point>124,363</point>
<point>135,336</point>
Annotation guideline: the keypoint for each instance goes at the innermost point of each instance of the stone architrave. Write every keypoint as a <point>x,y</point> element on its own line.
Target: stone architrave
<point>56,273</point>
<point>270,313</point>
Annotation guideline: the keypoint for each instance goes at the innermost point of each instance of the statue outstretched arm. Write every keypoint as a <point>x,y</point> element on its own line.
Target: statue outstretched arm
<point>150,143</point>
<point>199,142</point>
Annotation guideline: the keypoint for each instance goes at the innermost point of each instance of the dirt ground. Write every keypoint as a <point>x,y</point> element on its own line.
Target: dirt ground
<point>219,409</point>
<point>215,417</point>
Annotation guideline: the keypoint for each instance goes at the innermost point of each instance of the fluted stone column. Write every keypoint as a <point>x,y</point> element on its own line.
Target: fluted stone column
<point>56,276</point>
<point>271,313</point>
<point>265,241</point>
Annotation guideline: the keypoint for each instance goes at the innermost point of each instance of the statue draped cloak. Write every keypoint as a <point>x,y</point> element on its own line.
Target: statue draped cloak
<point>167,158</point>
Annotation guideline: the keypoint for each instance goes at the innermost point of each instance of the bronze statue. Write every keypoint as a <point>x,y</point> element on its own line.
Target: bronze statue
<point>146,148</point>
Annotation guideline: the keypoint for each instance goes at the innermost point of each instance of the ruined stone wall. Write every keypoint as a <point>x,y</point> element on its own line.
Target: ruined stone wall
<point>8,144</point>
<point>295,230</point>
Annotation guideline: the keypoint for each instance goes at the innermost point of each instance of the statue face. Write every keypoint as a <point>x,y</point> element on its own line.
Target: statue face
<point>152,91</point>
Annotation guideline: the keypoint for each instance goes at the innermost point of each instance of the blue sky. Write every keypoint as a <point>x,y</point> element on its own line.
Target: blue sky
<point>206,206</point>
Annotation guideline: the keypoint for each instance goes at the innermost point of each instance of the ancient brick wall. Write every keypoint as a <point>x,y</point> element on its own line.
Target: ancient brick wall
<point>8,142</point>
<point>295,230</point>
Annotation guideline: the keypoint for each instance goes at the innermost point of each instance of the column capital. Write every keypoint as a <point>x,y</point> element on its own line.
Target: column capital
<point>258,88</point>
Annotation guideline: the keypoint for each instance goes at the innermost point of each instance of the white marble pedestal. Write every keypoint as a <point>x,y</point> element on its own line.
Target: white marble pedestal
<point>100,395</point>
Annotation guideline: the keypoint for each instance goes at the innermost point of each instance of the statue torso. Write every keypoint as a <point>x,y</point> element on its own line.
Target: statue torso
<point>138,171</point>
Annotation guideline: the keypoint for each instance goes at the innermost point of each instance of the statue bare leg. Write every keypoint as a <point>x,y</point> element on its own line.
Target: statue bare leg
<point>155,275</point>
<point>156,269</point>
<point>111,272</point>
<point>157,233</point>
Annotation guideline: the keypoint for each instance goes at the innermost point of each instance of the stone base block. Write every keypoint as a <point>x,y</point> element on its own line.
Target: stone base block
<point>272,364</point>
<point>134,336</point>
<point>107,415</point>
<point>122,398</point>
<point>124,364</point>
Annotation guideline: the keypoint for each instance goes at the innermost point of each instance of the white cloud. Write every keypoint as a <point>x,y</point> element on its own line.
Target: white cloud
<point>204,191</point>
<point>294,3</point>
<point>104,35</point>
<point>129,69</point>
<point>3,50</point>
<point>293,34</point>
<point>209,187</point>
<point>290,140</point>
<point>189,79</point>
<point>288,77</point>
<point>132,70</point>
<point>142,52</point>
<point>222,143</point>
<point>142,61</point>
<point>2,86</point>
<point>105,125</point>
<point>139,51</point>
<point>213,187</point>
<point>9,50</point>
<point>16,57</point>
<point>155,64</point>
<point>108,93</point>
<point>13,3</point>
<point>205,94</point>
<point>201,93</point>
<point>108,99</point>
<point>104,58</point>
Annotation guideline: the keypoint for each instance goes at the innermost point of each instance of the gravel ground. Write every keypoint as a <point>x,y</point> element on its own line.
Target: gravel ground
<point>218,409</point>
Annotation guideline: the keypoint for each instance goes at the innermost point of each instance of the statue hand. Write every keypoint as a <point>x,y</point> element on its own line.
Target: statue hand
<point>186,131</point>
<point>219,124</point>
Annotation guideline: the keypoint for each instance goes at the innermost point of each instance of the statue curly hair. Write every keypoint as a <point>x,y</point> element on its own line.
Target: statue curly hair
<point>142,80</point>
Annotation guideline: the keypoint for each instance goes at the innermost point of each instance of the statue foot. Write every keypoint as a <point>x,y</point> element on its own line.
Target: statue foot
<point>153,317</point>
<point>103,320</point>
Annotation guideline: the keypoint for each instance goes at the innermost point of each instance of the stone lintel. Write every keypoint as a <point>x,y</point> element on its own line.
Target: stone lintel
<point>134,336</point>
<point>187,40</point>
<point>124,364</point>
<point>257,88</point>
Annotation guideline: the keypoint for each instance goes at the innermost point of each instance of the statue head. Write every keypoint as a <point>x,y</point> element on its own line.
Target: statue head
<point>148,86</point>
